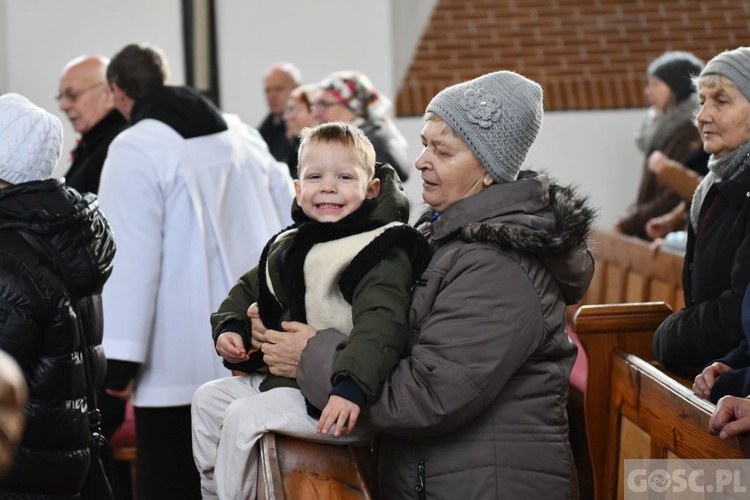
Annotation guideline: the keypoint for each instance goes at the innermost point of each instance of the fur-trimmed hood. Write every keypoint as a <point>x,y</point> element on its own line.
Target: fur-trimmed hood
<point>532,215</point>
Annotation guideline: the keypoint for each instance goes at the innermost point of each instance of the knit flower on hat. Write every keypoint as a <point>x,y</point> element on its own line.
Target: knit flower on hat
<point>482,108</point>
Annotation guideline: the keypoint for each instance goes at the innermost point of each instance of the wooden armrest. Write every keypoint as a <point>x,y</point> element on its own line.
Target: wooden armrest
<point>653,416</point>
<point>629,327</point>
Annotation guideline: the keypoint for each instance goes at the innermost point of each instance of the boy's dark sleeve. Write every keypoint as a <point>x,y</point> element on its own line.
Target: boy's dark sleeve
<point>232,316</point>
<point>233,310</point>
<point>348,389</point>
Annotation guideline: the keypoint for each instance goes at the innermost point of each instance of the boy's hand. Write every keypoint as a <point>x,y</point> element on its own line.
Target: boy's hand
<point>339,412</point>
<point>229,345</point>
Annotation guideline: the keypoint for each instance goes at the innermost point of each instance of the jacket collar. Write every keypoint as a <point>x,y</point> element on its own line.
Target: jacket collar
<point>736,190</point>
<point>507,202</point>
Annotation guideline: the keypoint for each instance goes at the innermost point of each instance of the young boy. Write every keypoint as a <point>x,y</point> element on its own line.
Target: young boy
<point>348,263</point>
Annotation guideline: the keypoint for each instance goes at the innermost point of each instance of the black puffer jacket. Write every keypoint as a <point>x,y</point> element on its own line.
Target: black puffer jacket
<point>38,327</point>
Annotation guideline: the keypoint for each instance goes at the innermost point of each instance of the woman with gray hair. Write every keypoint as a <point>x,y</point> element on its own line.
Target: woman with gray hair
<point>717,259</point>
<point>476,408</point>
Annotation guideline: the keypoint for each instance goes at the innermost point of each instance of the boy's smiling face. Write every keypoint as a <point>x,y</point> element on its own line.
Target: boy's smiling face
<point>332,182</point>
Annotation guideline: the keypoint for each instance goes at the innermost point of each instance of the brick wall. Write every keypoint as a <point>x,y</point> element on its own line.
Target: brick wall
<point>587,54</point>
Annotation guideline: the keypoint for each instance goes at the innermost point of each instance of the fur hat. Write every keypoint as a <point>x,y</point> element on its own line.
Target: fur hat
<point>676,69</point>
<point>733,64</point>
<point>355,91</point>
<point>30,140</point>
<point>498,115</point>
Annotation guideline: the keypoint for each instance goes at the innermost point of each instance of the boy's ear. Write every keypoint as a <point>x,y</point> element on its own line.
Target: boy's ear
<point>373,188</point>
<point>297,191</point>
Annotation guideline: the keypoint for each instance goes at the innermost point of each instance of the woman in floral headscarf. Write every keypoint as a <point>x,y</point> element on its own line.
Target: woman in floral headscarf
<point>349,96</point>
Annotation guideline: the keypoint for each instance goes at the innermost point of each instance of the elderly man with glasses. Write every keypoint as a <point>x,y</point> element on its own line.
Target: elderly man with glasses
<point>86,100</point>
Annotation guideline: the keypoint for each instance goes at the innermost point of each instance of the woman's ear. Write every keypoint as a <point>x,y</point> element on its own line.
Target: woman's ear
<point>487,180</point>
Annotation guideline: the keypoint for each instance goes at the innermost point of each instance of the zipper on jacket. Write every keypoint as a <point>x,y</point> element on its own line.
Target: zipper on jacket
<point>419,282</point>
<point>421,495</point>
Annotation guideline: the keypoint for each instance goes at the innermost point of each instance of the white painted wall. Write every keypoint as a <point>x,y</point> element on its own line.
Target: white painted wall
<point>42,36</point>
<point>3,48</point>
<point>319,37</point>
<point>593,149</point>
<point>410,18</point>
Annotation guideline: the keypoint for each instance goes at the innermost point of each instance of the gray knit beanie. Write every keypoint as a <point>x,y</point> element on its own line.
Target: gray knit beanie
<point>733,64</point>
<point>498,115</point>
<point>676,69</point>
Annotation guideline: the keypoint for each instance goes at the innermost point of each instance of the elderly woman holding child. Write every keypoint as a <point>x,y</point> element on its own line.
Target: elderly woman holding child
<point>475,408</point>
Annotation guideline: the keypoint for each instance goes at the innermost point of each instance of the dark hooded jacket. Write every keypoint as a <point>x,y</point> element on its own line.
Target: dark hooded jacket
<point>89,155</point>
<point>477,407</point>
<point>375,284</point>
<point>39,328</point>
<point>715,275</point>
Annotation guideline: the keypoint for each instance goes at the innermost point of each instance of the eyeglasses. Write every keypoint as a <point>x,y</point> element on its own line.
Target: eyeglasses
<point>74,95</point>
<point>325,104</point>
<point>297,108</point>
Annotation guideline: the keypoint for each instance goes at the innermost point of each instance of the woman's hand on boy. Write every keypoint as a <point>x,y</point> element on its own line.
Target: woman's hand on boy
<point>283,350</point>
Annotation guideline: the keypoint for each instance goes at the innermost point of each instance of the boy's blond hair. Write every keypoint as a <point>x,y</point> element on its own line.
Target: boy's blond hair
<point>344,134</point>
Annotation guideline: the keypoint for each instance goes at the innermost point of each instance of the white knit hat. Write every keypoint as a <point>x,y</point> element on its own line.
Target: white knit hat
<point>30,140</point>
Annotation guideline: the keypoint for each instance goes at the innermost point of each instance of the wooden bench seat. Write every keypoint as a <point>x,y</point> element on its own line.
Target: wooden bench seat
<point>294,469</point>
<point>634,409</point>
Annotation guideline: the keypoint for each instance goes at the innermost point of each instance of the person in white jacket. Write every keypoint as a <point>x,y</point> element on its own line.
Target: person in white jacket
<point>192,196</point>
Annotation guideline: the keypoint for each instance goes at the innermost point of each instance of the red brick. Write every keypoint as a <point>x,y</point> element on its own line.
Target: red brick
<point>590,54</point>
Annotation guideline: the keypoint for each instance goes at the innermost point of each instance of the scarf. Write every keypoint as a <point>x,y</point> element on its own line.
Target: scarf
<point>656,128</point>
<point>720,169</point>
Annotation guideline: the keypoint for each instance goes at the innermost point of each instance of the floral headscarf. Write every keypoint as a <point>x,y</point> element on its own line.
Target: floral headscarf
<point>355,91</point>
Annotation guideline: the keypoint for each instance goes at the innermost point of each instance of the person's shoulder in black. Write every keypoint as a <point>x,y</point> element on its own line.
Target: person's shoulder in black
<point>90,153</point>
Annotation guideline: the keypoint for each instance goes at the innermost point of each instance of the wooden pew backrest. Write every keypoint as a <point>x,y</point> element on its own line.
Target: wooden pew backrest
<point>632,408</point>
<point>627,271</point>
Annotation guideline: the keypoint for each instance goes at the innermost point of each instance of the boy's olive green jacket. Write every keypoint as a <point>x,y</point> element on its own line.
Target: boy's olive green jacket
<point>376,284</point>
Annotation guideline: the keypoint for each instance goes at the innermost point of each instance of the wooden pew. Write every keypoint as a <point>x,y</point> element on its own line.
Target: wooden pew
<point>293,469</point>
<point>634,409</point>
<point>628,271</point>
